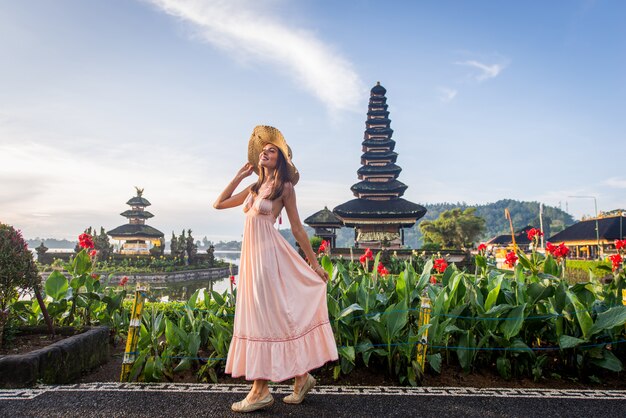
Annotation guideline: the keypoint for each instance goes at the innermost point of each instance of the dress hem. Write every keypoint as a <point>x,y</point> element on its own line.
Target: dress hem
<point>281,380</point>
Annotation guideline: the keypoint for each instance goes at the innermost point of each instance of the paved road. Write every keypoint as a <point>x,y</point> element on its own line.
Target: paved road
<point>198,400</point>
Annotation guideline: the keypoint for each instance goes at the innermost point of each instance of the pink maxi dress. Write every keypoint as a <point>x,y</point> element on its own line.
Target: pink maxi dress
<point>281,327</point>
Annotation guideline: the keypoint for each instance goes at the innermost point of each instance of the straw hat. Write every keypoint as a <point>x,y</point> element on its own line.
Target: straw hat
<point>263,135</point>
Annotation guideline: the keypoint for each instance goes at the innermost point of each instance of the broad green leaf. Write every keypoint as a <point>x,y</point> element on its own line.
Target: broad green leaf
<point>567,341</point>
<point>56,285</point>
<point>347,352</point>
<point>347,311</point>
<point>327,265</point>
<point>434,360</point>
<point>616,316</point>
<point>171,336</point>
<point>584,319</point>
<point>513,324</point>
<point>609,362</point>
<point>396,318</point>
<point>193,299</point>
<point>550,266</point>
<point>185,364</point>
<point>218,298</point>
<point>465,352</point>
<point>493,294</point>
<point>503,365</point>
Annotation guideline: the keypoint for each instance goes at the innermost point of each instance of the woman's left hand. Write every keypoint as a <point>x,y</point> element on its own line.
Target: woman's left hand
<point>322,273</point>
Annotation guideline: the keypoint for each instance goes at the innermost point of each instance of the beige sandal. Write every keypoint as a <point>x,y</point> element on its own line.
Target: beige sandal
<point>245,406</point>
<point>294,398</point>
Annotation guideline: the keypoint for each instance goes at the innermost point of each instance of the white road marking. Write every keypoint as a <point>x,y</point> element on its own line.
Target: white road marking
<point>26,394</point>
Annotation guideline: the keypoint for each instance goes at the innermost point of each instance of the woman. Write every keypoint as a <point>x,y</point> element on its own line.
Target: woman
<point>281,327</point>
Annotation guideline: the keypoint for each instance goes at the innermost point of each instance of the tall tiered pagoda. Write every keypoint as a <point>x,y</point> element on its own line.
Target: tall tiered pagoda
<point>379,213</point>
<point>137,237</point>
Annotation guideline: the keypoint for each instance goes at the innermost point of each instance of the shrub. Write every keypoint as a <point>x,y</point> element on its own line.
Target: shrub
<point>17,270</point>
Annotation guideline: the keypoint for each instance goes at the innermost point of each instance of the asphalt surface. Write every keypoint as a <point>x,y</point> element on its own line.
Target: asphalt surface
<point>163,400</point>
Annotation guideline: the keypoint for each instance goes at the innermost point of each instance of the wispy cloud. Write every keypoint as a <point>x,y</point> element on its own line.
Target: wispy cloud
<point>485,71</point>
<point>243,29</point>
<point>616,182</point>
<point>446,94</point>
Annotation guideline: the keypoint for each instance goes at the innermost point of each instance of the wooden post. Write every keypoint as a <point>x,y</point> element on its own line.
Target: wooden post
<point>134,327</point>
<point>424,318</point>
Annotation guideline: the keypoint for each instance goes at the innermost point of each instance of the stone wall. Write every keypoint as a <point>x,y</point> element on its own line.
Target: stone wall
<point>60,362</point>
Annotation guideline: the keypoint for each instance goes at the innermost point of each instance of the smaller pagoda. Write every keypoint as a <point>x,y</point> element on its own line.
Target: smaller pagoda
<point>137,237</point>
<point>325,224</point>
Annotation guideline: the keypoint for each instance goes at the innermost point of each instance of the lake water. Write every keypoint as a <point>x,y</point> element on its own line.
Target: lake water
<point>183,290</point>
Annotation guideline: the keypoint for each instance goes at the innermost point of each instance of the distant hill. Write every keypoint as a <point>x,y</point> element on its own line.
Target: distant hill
<point>51,243</point>
<point>522,214</point>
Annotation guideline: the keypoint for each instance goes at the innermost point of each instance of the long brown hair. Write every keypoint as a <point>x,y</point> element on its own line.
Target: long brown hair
<point>281,176</point>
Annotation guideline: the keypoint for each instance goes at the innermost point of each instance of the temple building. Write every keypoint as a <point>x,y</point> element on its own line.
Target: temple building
<point>136,237</point>
<point>325,224</point>
<point>379,213</point>
<point>594,237</point>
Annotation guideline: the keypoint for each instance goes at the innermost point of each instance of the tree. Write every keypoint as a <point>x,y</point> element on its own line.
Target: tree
<point>174,245</point>
<point>455,228</point>
<point>190,247</point>
<point>102,244</point>
<point>17,271</point>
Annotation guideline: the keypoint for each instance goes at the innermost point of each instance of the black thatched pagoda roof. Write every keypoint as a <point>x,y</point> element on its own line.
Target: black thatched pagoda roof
<point>608,230</point>
<point>379,209</point>
<point>373,156</point>
<point>382,188</point>
<point>379,169</point>
<point>135,230</point>
<point>378,90</point>
<point>137,214</point>
<point>323,218</point>
<point>382,142</point>
<point>383,121</point>
<point>138,201</point>
<point>383,113</point>
<point>379,131</point>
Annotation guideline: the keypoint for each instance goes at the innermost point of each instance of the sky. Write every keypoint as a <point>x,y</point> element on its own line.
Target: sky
<point>489,100</point>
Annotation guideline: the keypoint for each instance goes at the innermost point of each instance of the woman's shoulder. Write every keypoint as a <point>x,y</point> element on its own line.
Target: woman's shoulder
<point>288,189</point>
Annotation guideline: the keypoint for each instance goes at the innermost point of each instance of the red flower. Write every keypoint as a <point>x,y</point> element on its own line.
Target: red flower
<point>232,279</point>
<point>433,280</point>
<point>325,245</point>
<point>85,241</point>
<point>382,270</point>
<point>440,265</point>
<point>534,232</point>
<point>557,251</point>
<point>95,276</point>
<point>620,243</point>
<point>617,261</point>
<point>510,259</point>
<point>93,253</point>
<point>482,247</point>
<point>367,255</point>
<point>123,281</point>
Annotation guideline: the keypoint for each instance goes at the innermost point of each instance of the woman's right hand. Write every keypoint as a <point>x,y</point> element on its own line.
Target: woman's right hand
<point>245,171</point>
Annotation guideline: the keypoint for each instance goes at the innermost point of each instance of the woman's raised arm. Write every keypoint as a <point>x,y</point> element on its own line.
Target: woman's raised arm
<point>226,199</point>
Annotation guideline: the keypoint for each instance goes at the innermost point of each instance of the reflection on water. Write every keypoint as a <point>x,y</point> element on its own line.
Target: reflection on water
<point>183,290</point>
